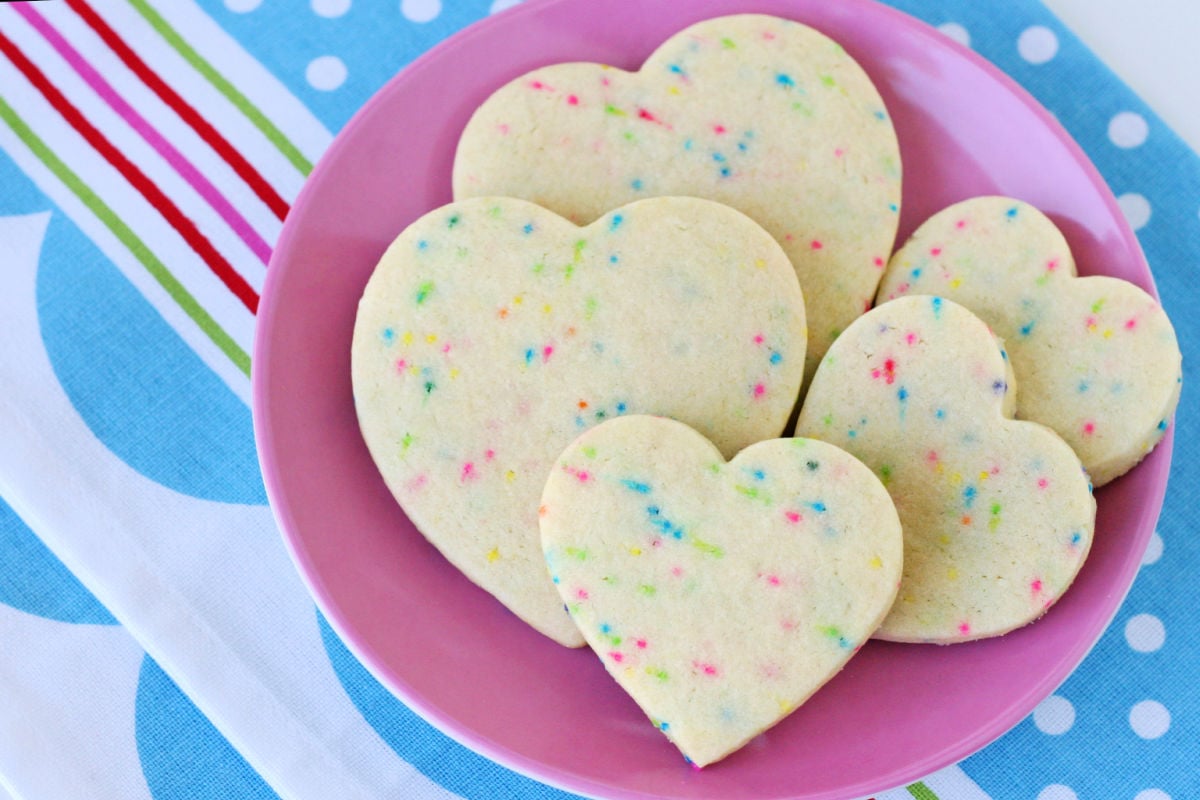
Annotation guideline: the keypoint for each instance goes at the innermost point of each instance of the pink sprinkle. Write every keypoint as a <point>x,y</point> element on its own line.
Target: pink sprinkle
<point>962,223</point>
<point>815,245</point>
<point>401,365</point>
<point>468,471</point>
<point>793,516</point>
<point>1036,586</point>
<point>503,128</point>
<point>964,629</point>
<point>572,100</point>
<point>1043,483</point>
<point>617,657</point>
<point>839,152</point>
<point>583,476</point>
<point>707,669</point>
<point>935,251</point>
<point>773,580</point>
<point>911,338</point>
<point>581,594</point>
<point>605,81</point>
<point>788,237</point>
<point>1130,324</point>
<point>759,390</point>
<point>768,35</point>
<point>787,624</point>
<point>446,347</point>
<point>758,338</point>
<point>1089,428</point>
<point>1052,265</point>
<point>540,86</point>
<point>547,351</point>
<point>641,643</point>
<point>489,454</point>
<point>878,262</point>
<point>417,482</point>
<point>932,457</point>
<point>718,129</point>
<point>676,571</point>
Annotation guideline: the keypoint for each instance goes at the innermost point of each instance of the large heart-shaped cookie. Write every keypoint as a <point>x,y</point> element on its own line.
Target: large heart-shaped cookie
<point>1096,358</point>
<point>762,114</point>
<point>997,514</point>
<point>493,332</point>
<point>719,595</point>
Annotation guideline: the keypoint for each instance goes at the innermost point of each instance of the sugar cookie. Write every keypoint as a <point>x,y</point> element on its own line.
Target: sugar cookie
<point>997,513</point>
<point>762,114</point>
<point>493,332</point>
<point>719,595</point>
<point>1096,358</point>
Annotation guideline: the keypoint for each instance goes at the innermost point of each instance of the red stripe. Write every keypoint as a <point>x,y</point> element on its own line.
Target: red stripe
<point>180,106</point>
<point>186,228</point>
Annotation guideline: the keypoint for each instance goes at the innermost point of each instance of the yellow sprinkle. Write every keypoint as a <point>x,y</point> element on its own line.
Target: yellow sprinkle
<point>518,299</point>
<point>408,337</point>
<point>546,308</point>
<point>635,551</point>
<point>945,539</point>
<point>785,706</point>
<point>431,338</point>
<point>673,90</point>
<point>876,563</point>
<point>983,476</point>
<point>412,370</point>
<point>453,373</point>
<point>952,574</point>
<point>1108,333</point>
<point>760,263</point>
<point>957,282</point>
<point>956,478</point>
<point>510,476</point>
<point>493,555</point>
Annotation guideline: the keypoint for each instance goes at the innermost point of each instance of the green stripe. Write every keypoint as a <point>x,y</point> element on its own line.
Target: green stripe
<point>127,237</point>
<point>282,143</point>
<point>921,792</point>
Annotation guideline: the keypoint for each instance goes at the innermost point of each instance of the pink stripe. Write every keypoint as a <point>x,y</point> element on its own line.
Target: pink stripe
<point>178,162</point>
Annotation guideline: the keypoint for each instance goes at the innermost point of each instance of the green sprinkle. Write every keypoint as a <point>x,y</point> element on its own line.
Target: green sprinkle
<point>589,451</point>
<point>728,43</point>
<point>647,590</point>
<point>589,308</point>
<point>616,112</point>
<point>577,553</point>
<point>707,549</point>
<point>423,292</point>
<point>454,220</point>
<point>406,442</point>
<point>749,491</point>
<point>655,672</point>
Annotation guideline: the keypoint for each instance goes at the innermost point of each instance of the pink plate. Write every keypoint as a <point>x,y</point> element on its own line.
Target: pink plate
<point>897,712</point>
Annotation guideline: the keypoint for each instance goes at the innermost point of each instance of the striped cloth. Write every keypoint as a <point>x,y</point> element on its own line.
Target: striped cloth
<point>155,640</point>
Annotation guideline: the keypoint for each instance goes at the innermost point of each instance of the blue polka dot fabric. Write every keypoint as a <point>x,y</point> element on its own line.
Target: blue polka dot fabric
<point>155,638</point>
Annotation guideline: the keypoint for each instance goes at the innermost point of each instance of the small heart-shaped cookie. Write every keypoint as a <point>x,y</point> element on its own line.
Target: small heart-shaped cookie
<point>762,114</point>
<point>719,595</point>
<point>997,514</point>
<point>1096,358</point>
<point>493,332</point>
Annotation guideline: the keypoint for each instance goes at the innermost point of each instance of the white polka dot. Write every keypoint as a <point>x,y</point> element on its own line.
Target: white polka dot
<point>956,32</point>
<point>1136,209</point>
<point>1145,633</point>
<point>1154,549</point>
<point>330,8</point>
<point>1056,791</point>
<point>1149,719</point>
<point>1037,44</point>
<point>501,5</point>
<point>325,73</point>
<point>1152,794</point>
<point>420,10</point>
<point>1054,715</point>
<point>242,6</point>
<point>1128,129</point>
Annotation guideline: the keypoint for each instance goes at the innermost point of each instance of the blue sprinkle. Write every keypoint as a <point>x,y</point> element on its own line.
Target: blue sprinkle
<point>758,474</point>
<point>999,386</point>
<point>620,408</point>
<point>937,307</point>
<point>880,115</point>
<point>742,146</point>
<point>1084,386</point>
<point>1162,425</point>
<point>818,507</point>
<point>554,578</point>
<point>776,358</point>
<point>529,356</point>
<point>969,496</point>
<point>678,70</point>
<point>893,207</point>
<point>613,259</point>
<point>422,245</point>
<point>902,394</point>
<point>652,511</point>
<point>1027,328</point>
<point>388,335</point>
<point>843,643</point>
<point>916,273</point>
<point>1012,212</point>
<point>636,184</point>
<point>605,627</point>
<point>528,227</point>
<point>677,533</point>
<point>852,434</point>
<point>579,423</point>
<point>1076,538</point>
<point>664,726</point>
<point>718,158</point>
<point>725,173</point>
<point>785,80</point>
<point>687,145</point>
<point>616,221</point>
<point>940,413</point>
<point>640,488</point>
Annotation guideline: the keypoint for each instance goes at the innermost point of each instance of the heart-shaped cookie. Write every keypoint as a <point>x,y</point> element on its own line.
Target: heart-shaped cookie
<point>997,514</point>
<point>719,595</point>
<point>493,332</point>
<point>762,114</point>
<point>1096,358</point>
